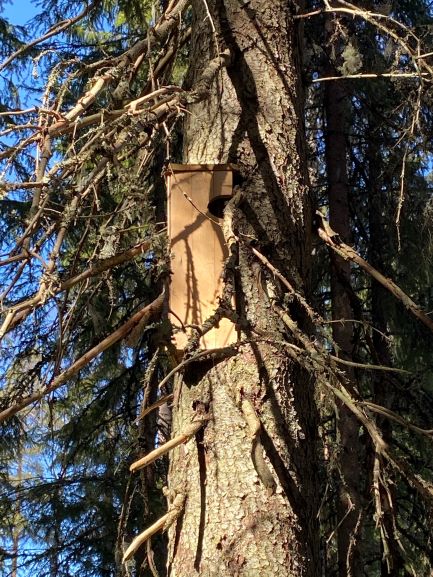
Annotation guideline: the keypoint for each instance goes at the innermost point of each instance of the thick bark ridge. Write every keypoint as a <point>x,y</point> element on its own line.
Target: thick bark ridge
<point>250,475</point>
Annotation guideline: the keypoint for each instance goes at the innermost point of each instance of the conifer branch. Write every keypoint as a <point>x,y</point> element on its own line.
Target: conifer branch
<point>147,312</point>
<point>57,29</point>
<point>20,311</point>
<point>332,239</point>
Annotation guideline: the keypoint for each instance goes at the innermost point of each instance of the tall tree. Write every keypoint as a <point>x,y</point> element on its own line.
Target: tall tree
<point>350,511</point>
<point>248,485</point>
<point>84,305</point>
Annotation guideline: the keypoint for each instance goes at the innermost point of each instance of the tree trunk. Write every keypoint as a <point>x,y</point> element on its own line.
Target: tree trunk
<point>392,561</point>
<point>249,477</point>
<point>350,510</point>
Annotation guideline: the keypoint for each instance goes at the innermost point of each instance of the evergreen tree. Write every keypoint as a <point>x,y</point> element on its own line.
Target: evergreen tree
<point>305,446</point>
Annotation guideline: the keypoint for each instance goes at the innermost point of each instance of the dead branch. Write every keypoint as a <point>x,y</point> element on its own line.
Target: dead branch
<point>332,239</point>
<point>23,309</point>
<point>202,355</point>
<point>167,21</point>
<point>147,312</point>
<point>183,437</point>
<point>396,418</point>
<point>373,75</point>
<point>158,403</point>
<point>163,523</point>
<point>368,367</point>
<point>381,447</point>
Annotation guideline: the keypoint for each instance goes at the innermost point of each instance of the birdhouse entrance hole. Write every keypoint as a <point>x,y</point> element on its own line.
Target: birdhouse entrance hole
<point>197,194</point>
<point>217,204</point>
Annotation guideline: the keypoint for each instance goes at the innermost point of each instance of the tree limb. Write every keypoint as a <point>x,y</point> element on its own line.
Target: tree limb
<point>23,309</point>
<point>332,239</point>
<point>57,29</point>
<point>189,431</point>
<point>145,313</point>
<point>163,523</point>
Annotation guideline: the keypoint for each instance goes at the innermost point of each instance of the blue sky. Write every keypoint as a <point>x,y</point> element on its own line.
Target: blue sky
<point>19,11</point>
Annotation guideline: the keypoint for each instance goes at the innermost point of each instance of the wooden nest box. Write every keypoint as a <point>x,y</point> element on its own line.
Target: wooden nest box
<point>197,194</point>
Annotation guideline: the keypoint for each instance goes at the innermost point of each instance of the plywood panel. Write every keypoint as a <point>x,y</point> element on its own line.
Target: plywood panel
<point>198,250</point>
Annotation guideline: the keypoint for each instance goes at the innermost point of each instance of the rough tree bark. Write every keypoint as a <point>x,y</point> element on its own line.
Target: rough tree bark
<point>249,476</point>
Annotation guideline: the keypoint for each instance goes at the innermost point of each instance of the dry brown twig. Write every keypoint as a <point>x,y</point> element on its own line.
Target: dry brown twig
<point>20,311</point>
<point>332,239</point>
<point>147,312</point>
<point>174,511</point>
<point>57,29</point>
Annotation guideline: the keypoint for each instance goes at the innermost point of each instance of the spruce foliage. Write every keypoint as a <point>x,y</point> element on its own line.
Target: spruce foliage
<point>91,116</point>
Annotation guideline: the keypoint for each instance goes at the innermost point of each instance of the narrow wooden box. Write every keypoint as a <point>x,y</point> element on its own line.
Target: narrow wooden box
<point>198,248</point>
